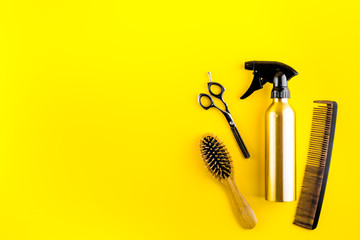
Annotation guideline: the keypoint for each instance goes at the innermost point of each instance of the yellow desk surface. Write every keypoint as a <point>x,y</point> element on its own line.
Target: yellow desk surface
<point>100,124</point>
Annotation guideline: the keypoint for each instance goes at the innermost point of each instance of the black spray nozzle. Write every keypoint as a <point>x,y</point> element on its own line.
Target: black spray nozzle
<point>265,71</point>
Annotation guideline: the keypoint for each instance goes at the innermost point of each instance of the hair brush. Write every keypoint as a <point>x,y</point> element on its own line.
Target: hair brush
<point>317,165</point>
<point>219,163</point>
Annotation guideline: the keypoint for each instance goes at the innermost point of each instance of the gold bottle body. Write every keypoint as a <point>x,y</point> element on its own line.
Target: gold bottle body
<point>280,162</point>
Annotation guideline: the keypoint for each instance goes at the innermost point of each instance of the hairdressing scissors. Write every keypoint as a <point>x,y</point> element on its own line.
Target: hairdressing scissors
<point>226,113</point>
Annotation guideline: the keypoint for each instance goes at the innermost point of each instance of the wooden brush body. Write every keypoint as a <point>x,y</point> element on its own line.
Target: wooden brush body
<point>218,161</point>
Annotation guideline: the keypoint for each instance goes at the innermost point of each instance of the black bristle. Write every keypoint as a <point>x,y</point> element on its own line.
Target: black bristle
<point>216,156</point>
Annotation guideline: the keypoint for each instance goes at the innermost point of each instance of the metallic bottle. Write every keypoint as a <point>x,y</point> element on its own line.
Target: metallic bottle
<point>280,168</point>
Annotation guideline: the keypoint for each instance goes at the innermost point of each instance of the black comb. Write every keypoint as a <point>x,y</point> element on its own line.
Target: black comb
<point>317,165</point>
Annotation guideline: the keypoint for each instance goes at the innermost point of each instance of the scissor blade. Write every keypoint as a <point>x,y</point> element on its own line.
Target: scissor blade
<point>240,142</point>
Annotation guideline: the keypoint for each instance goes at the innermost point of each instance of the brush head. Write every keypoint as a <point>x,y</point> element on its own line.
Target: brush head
<point>216,157</point>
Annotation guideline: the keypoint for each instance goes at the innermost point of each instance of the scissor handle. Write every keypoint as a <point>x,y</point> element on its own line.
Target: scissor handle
<point>220,95</point>
<point>201,95</point>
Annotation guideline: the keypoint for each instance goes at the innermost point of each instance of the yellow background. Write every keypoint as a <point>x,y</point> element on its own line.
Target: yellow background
<point>100,124</point>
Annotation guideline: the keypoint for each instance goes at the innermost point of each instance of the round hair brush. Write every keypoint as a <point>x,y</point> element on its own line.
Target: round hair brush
<point>218,160</point>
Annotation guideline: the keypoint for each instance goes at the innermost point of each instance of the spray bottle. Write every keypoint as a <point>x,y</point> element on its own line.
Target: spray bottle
<point>280,165</point>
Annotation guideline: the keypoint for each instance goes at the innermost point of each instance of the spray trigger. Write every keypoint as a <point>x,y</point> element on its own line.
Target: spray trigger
<point>266,71</point>
<point>255,85</point>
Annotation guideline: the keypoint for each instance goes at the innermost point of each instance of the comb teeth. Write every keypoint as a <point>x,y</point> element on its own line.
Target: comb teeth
<point>319,136</point>
<point>317,164</point>
<point>216,156</point>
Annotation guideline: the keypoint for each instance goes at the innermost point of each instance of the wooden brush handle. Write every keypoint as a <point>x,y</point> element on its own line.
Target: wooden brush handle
<point>243,211</point>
